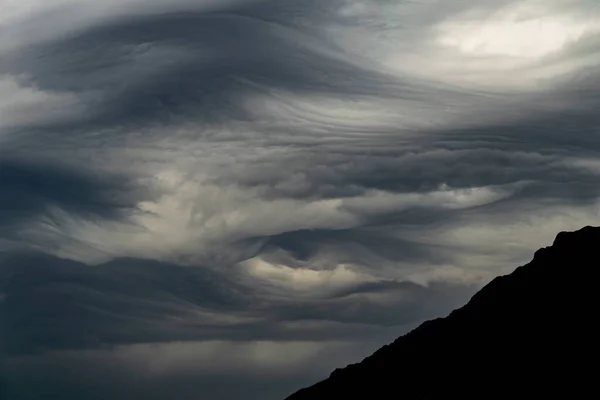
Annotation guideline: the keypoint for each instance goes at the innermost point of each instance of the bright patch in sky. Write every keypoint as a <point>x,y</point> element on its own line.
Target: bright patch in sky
<point>510,34</point>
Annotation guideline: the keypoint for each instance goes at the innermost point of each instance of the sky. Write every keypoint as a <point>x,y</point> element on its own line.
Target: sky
<point>228,199</point>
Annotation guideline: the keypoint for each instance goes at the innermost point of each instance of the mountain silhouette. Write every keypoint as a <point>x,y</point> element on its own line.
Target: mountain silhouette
<point>527,335</point>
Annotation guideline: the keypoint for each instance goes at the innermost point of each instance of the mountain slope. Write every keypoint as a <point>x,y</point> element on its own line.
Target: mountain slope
<point>530,334</point>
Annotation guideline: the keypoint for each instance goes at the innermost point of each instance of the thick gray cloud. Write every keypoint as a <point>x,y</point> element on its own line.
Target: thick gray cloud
<point>50,303</point>
<point>31,188</point>
<point>134,327</point>
<point>219,195</point>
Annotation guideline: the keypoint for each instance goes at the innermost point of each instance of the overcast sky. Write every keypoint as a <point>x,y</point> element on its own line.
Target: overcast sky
<point>212,199</point>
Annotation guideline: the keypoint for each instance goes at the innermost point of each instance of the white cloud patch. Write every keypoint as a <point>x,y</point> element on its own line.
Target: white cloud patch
<point>492,45</point>
<point>304,281</point>
<point>529,29</point>
<point>198,221</point>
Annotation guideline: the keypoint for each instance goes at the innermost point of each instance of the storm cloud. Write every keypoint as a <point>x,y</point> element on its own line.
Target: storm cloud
<point>236,197</point>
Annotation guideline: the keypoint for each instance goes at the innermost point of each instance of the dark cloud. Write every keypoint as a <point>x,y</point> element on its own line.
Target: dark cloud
<point>353,245</point>
<point>51,303</point>
<point>229,200</point>
<point>32,188</point>
<point>68,328</point>
<point>159,69</point>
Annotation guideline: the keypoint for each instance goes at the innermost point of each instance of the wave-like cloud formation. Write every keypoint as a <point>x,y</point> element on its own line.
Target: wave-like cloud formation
<point>273,182</point>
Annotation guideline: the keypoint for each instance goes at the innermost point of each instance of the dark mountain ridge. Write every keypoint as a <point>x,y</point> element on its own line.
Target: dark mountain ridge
<point>530,334</point>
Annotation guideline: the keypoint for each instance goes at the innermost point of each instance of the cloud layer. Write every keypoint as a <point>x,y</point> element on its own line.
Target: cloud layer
<point>242,190</point>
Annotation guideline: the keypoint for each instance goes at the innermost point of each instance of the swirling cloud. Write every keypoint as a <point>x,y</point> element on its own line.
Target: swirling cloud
<point>273,182</point>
